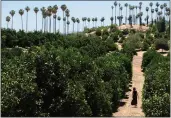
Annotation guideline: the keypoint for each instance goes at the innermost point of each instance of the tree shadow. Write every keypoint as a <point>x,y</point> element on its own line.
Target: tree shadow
<point>122,104</point>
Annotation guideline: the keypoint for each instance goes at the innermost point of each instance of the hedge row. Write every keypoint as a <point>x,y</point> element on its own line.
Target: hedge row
<point>156,90</point>
<point>74,77</point>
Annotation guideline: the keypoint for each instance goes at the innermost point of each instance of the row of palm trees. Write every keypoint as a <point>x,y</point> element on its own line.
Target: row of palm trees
<point>134,17</point>
<point>50,11</point>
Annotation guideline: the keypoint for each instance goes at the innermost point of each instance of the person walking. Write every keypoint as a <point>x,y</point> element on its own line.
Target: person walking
<point>134,97</point>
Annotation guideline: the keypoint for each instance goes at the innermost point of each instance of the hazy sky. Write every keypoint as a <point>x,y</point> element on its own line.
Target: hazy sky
<point>77,9</point>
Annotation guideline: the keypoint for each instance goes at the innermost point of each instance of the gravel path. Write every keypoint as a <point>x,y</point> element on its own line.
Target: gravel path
<point>137,81</point>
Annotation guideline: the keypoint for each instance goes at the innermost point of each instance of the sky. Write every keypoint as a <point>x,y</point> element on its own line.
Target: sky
<point>78,9</point>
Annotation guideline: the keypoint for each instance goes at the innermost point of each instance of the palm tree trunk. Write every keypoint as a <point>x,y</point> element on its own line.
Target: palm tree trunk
<point>73,27</point>
<point>7,25</point>
<point>12,22</point>
<point>77,28</point>
<point>151,15</point>
<point>50,24</point>
<point>55,23</point>
<point>44,24</point>
<point>27,22</point>
<point>112,16</point>
<point>36,21</point>
<point>59,26</point>
<point>68,28</point>
<point>115,14</point>
<point>22,22</point>
<point>135,16</point>
<point>47,25</point>
<point>63,24</point>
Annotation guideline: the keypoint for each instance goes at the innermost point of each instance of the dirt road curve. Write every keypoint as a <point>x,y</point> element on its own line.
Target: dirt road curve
<point>137,81</point>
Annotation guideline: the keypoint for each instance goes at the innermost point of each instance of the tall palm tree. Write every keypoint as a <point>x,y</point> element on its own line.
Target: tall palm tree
<point>136,13</point>
<point>83,19</point>
<point>161,7</point>
<point>126,5</point>
<point>147,9</point>
<point>8,20</point>
<point>64,20</point>
<point>165,6</point>
<point>78,21</point>
<point>147,17</point>
<point>54,11</point>
<point>21,12</point>
<point>27,10</point>
<point>59,18</point>
<point>36,9</point>
<point>118,17</point>
<point>168,12</point>
<point>63,7</point>
<point>12,13</point>
<point>54,26</point>
<point>140,14</point>
<point>130,20</point>
<point>111,18</point>
<point>95,19</point>
<point>121,17</point>
<point>152,11</point>
<point>93,22</point>
<point>159,14</point>
<point>67,16</point>
<point>133,14</point>
<point>68,22</point>
<point>101,21</point>
<point>157,4</point>
<point>43,15</point>
<point>115,4</point>
<point>88,19</point>
<point>44,18</point>
<point>156,9</point>
<point>151,4</point>
<point>73,20</point>
<point>50,14</point>
<point>119,8</point>
<point>112,12</point>
<point>140,6</point>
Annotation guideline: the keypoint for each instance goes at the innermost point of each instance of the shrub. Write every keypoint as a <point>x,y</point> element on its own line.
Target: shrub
<point>148,57</point>
<point>114,36</point>
<point>125,32</point>
<point>145,46</point>
<point>98,32</point>
<point>156,90</point>
<point>161,44</point>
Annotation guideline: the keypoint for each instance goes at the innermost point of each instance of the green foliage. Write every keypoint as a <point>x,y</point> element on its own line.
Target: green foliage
<point>156,90</point>
<point>145,46</point>
<point>132,43</point>
<point>98,32</point>
<point>125,32</point>
<point>148,57</point>
<point>161,25</point>
<point>161,44</point>
<point>64,76</point>
<point>114,36</point>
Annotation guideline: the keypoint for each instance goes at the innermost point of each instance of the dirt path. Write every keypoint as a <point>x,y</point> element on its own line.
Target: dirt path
<point>137,81</point>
